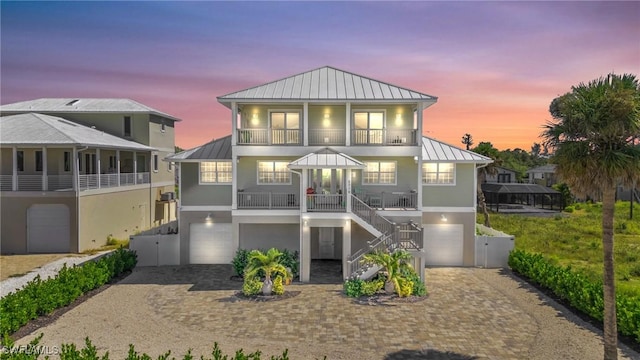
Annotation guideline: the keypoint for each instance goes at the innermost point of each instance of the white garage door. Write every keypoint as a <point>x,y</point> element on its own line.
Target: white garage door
<point>210,244</point>
<point>48,228</point>
<point>443,244</point>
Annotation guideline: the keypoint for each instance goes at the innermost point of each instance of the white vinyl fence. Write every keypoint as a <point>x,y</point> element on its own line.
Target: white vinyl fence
<point>492,247</point>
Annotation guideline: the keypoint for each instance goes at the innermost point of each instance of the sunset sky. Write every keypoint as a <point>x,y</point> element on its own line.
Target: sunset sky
<point>495,66</point>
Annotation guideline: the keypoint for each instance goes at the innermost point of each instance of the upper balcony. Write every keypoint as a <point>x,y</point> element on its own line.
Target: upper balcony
<point>65,182</point>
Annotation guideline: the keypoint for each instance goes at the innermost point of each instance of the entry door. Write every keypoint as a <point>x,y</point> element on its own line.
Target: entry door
<point>326,242</point>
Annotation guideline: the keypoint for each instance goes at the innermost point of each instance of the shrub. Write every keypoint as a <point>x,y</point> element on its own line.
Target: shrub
<point>419,288</point>
<point>372,286</point>
<point>582,293</point>
<point>568,209</point>
<point>239,261</point>
<point>278,285</point>
<point>353,287</point>
<point>577,206</point>
<point>288,259</point>
<point>406,287</point>
<point>251,286</point>
<point>40,297</point>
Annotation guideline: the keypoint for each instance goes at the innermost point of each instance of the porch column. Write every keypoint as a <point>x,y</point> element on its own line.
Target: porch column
<point>98,167</point>
<point>118,167</point>
<point>234,123</point>
<point>304,180</point>
<point>75,170</point>
<point>347,190</point>
<point>135,167</point>
<point>333,180</point>
<point>45,182</point>
<point>234,181</point>
<point>419,181</point>
<point>14,171</point>
<point>305,251</point>
<point>346,248</point>
<point>419,111</point>
<point>348,122</point>
<point>305,123</point>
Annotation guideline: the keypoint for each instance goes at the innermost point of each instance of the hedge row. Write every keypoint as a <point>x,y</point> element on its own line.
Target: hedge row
<point>583,294</point>
<point>90,352</point>
<point>40,297</point>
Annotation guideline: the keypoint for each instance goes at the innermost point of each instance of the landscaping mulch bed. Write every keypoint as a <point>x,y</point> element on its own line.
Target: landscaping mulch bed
<point>265,298</point>
<point>627,340</point>
<point>384,299</point>
<point>45,320</point>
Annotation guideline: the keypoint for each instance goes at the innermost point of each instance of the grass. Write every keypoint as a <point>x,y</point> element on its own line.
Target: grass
<point>575,239</point>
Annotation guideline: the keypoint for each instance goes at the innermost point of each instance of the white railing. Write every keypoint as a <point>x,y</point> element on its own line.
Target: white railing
<point>59,182</point>
<point>127,179</point>
<point>367,136</point>
<point>264,200</point>
<point>327,136</point>
<point>326,203</point>
<point>397,137</point>
<point>285,137</point>
<point>86,182</point>
<point>29,182</point>
<point>6,182</point>
<point>390,200</point>
<point>108,180</point>
<point>401,137</point>
<point>269,137</point>
<point>253,136</point>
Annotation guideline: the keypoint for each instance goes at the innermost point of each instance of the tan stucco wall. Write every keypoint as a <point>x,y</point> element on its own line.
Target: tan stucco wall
<point>460,194</point>
<point>195,194</point>
<point>467,219</point>
<point>13,220</point>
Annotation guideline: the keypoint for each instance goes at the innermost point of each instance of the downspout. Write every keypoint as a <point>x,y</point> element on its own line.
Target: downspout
<point>77,175</point>
<point>301,221</point>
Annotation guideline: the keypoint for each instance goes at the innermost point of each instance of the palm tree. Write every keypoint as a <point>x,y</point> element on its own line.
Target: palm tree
<point>269,264</point>
<point>486,149</point>
<point>467,139</point>
<point>592,132</point>
<point>392,263</point>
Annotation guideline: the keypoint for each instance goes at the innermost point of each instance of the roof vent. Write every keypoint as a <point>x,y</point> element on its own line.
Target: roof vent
<point>72,102</point>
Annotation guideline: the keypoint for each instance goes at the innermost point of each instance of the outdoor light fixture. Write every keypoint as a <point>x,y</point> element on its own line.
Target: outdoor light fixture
<point>255,120</point>
<point>306,223</point>
<point>443,217</point>
<point>326,122</point>
<point>415,159</point>
<point>398,119</point>
<point>208,219</point>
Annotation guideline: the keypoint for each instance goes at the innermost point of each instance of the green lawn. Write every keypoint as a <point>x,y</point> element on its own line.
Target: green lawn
<point>576,239</point>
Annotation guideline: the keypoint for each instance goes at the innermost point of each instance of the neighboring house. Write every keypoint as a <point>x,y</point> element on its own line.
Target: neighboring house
<point>333,165</point>
<point>544,175</point>
<point>75,171</point>
<point>503,176</point>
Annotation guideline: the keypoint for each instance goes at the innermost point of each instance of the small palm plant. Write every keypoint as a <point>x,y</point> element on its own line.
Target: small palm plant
<point>269,264</point>
<point>393,263</point>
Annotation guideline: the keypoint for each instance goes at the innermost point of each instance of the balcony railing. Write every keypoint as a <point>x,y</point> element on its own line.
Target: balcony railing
<point>326,203</point>
<point>267,200</point>
<point>65,182</point>
<point>269,137</point>
<point>395,137</point>
<point>327,137</point>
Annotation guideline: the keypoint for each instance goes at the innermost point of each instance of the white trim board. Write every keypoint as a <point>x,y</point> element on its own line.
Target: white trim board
<point>451,209</point>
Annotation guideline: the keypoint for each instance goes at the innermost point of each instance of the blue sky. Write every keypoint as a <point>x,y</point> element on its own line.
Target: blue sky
<point>495,66</point>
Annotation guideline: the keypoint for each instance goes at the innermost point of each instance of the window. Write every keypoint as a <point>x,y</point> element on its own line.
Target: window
<point>20,160</point>
<point>113,164</point>
<point>273,172</point>
<point>438,173</point>
<point>67,161</point>
<point>379,173</point>
<point>127,126</point>
<point>155,162</point>
<point>285,127</point>
<point>38,160</point>
<point>215,172</point>
<point>368,127</point>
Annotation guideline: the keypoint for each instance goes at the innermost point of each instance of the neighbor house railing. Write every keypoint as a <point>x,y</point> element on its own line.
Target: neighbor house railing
<point>65,182</point>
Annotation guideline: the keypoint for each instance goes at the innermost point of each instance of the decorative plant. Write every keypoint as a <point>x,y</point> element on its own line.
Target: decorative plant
<point>269,263</point>
<point>251,286</point>
<point>393,263</point>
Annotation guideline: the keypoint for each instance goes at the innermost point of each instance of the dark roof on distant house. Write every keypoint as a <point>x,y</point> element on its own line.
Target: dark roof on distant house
<point>516,188</point>
<point>549,168</point>
<point>219,149</point>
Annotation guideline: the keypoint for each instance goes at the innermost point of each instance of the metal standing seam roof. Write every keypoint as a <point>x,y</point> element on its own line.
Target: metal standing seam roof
<point>82,105</point>
<point>516,188</point>
<point>219,149</point>
<point>327,83</point>
<point>38,130</point>
<point>434,150</point>
<point>326,159</point>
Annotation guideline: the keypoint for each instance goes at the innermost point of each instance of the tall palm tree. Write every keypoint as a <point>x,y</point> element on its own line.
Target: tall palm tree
<point>269,264</point>
<point>486,149</point>
<point>592,132</point>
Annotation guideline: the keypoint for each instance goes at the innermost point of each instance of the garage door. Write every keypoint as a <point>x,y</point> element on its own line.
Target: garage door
<point>48,228</point>
<point>210,244</point>
<point>443,244</point>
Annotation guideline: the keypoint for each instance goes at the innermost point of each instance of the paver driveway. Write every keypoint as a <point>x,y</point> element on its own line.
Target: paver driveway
<point>469,314</point>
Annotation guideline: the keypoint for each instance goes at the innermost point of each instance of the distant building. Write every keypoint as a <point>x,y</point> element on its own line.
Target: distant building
<point>503,176</point>
<point>544,175</point>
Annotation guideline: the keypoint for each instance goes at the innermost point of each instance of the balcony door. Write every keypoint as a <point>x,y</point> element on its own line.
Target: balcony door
<point>369,127</point>
<point>285,127</point>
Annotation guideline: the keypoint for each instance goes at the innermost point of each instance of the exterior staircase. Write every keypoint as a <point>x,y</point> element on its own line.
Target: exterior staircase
<point>389,237</point>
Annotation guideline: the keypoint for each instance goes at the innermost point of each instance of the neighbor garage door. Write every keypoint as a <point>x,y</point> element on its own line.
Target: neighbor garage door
<point>210,244</point>
<point>443,244</point>
<point>48,228</point>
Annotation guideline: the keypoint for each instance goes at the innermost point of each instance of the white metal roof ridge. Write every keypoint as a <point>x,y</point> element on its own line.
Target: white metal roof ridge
<point>326,158</point>
<point>434,150</point>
